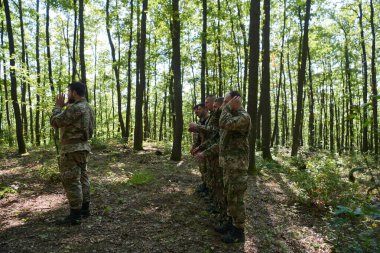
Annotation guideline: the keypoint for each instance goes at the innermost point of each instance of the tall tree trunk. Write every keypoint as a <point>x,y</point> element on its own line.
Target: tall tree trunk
<point>176,62</point>
<point>365,81</point>
<point>95,84</point>
<point>254,57</point>
<point>16,108</point>
<point>50,71</point>
<point>129,88</point>
<point>23,75</point>
<point>204,52</point>
<point>81,46</point>
<point>374,85</point>
<point>74,56</point>
<point>116,69</point>
<point>10,139</point>
<point>246,56</point>
<point>138,134</point>
<point>220,71</point>
<point>301,81</point>
<point>311,106</point>
<point>265,84</point>
<point>38,106</point>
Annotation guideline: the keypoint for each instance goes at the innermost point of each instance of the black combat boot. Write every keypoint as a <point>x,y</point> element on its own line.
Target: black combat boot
<point>224,226</point>
<point>74,218</point>
<point>202,188</point>
<point>85,211</point>
<point>234,235</point>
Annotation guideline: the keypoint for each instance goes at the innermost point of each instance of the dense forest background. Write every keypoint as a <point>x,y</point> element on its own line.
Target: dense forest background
<point>307,72</point>
<point>306,69</point>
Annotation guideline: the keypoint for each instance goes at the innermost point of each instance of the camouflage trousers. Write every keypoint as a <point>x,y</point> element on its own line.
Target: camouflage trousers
<point>215,178</point>
<point>75,181</point>
<point>203,171</point>
<point>235,184</point>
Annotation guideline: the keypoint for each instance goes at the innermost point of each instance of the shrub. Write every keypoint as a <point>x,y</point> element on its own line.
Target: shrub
<point>141,178</point>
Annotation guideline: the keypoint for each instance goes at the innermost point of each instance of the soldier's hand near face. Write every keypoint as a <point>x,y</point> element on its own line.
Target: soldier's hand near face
<point>235,103</point>
<point>192,127</point>
<point>60,100</point>
<point>200,156</point>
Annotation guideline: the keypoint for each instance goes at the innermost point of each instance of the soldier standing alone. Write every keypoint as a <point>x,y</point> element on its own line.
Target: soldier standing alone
<point>76,123</point>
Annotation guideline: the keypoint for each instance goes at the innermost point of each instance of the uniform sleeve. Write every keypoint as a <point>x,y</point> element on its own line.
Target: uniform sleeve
<point>64,118</point>
<point>228,121</point>
<point>213,150</point>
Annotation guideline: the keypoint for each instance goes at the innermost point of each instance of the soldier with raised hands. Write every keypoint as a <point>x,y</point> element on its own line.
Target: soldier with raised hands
<point>75,119</point>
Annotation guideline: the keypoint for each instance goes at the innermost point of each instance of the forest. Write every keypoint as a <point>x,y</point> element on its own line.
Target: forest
<point>307,74</point>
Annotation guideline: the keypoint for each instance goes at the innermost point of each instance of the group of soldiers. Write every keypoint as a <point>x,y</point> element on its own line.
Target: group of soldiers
<point>221,147</point>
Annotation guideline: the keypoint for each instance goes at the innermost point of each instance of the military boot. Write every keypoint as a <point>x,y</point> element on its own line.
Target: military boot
<point>224,226</point>
<point>74,218</point>
<point>85,211</point>
<point>234,235</point>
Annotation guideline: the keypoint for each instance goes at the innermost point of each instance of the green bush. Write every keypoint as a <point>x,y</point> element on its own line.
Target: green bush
<point>49,173</point>
<point>98,144</point>
<point>323,183</point>
<point>4,189</point>
<point>141,178</point>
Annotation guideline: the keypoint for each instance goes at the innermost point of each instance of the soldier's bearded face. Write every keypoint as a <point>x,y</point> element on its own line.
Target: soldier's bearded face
<point>70,97</point>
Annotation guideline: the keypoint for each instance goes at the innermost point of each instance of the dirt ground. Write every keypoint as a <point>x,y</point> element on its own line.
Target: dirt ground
<point>159,213</point>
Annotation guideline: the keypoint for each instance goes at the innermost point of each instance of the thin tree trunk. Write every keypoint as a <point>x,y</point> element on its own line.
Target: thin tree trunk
<point>365,81</point>
<point>74,61</point>
<point>301,81</point>
<point>81,46</point>
<point>16,108</point>
<point>138,134</point>
<point>48,55</point>
<point>116,69</point>
<point>374,84</point>
<point>254,57</point>
<point>176,63</point>
<point>129,88</point>
<point>265,84</point>
<point>311,106</point>
<point>38,106</point>
<point>204,51</point>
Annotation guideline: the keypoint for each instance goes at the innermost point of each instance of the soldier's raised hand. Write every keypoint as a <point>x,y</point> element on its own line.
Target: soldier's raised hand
<point>60,100</point>
<point>235,103</point>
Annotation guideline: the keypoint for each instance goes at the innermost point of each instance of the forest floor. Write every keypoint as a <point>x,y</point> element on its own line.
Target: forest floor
<point>143,202</point>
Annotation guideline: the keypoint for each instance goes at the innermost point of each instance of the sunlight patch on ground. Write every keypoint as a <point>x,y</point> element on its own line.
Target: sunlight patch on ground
<point>308,238</point>
<point>20,210</point>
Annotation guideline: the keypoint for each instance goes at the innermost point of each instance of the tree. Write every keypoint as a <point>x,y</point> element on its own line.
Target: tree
<point>265,85</point>
<point>140,87</point>
<point>254,57</point>
<point>16,108</point>
<point>176,63</point>
<point>301,81</point>
<point>81,46</point>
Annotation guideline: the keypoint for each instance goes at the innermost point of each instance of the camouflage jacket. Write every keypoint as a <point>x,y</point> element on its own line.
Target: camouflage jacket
<point>235,126</point>
<point>212,130</point>
<point>199,137</point>
<point>77,125</point>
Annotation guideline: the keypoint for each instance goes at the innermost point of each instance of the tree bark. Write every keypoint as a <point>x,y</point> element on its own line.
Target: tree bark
<point>176,63</point>
<point>301,81</point>
<point>265,84</point>
<point>48,55</point>
<point>204,52</point>
<point>16,108</point>
<point>254,56</point>
<point>116,69</point>
<point>374,85</point>
<point>81,46</point>
<point>129,88</point>
<point>140,87</point>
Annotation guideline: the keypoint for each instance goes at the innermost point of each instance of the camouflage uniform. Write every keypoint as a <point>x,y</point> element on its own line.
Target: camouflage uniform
<point>76,123</point>
<point>211,153</point>
<point>199,140</point>
<point>233,158</point>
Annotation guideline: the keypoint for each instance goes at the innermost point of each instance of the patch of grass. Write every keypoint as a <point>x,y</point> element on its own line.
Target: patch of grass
<point>98,144</point>
<point>141,178</point>
<point>49,173</point>
<point>4,190</point>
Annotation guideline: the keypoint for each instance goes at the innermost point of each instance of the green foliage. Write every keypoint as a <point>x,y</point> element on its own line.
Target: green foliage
<point>49,173</point>
<point>98,144</point>
<point>141,178</point>
<point>322,183</point>
<point>4,190</point>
